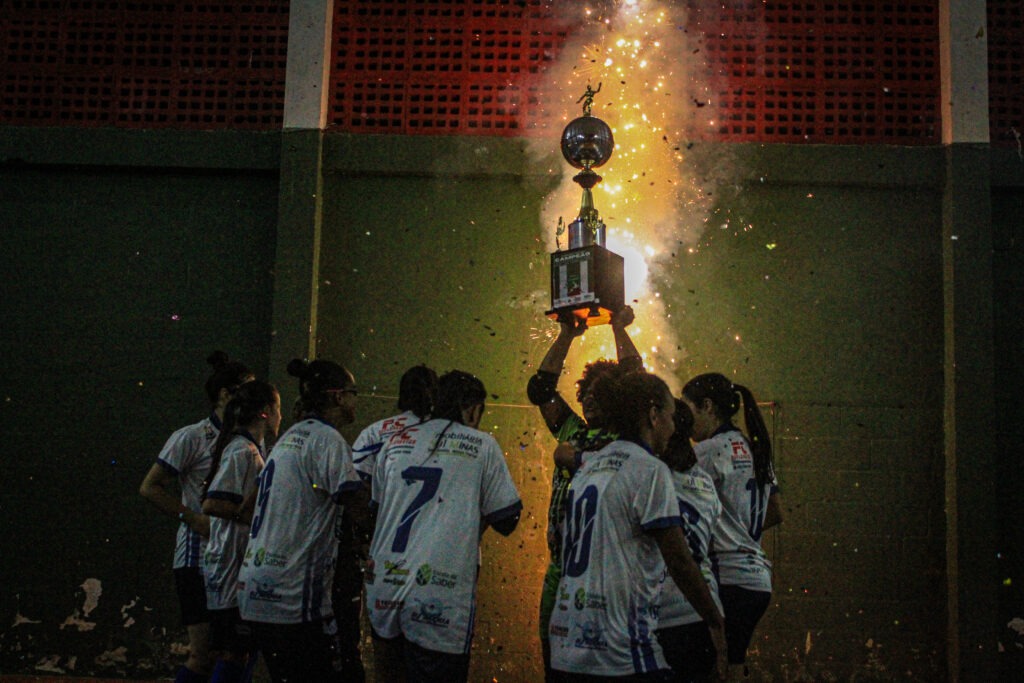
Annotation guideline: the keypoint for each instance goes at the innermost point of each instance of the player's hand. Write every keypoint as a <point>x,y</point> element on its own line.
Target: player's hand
<point>623,317</point>
<point>721,650</point>
<point>571,325</point>
<point>200,524</point>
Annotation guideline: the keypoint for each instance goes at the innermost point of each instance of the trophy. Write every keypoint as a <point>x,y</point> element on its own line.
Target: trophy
<point>586,279</point>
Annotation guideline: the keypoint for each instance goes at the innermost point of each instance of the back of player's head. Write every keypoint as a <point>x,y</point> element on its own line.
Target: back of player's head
<point>458,391</point>
<point>625,399</point>
<point>716,387</point>
<point>316,380</point>
<point>591,373</point>
<point>679,454</point>
<point>726,398</point>
<point>245,407</point>
<point>227,374</point>
<point>417,389</point>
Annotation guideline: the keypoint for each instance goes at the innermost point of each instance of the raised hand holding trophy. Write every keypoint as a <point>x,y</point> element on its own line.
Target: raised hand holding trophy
<point>587,278</point>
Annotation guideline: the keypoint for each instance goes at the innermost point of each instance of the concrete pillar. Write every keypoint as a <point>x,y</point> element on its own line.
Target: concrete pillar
<point>970,443</point>
<point>297,261</point>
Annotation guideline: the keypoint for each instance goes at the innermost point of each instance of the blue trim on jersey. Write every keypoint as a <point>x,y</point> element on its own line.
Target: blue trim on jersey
<point>229,496</point>
<point>725,428</point>
<point>319,418</point>
<point>640,647</point>
<point>663,523</point>
<point>168,466</point>
<point>372,449</point>
<point>505,512</point>
<point>216,421</point>
<point>193,542</point>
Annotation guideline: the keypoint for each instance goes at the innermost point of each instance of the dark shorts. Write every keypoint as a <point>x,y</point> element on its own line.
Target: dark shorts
<point>296,653</point>
<point>743,609</point>
<point>228,633</point>
<point>428,666</point>
<point>689,651</point>
<point>191,589</point>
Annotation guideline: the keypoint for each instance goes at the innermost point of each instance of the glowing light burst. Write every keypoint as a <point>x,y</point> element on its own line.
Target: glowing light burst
<point>649,199</point>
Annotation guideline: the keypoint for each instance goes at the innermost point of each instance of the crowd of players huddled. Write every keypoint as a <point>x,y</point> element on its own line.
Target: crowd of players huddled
<point>657,508</point>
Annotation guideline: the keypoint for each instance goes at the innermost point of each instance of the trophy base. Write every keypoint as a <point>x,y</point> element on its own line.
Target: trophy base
<point>587,282</point>
<point>593,316</point>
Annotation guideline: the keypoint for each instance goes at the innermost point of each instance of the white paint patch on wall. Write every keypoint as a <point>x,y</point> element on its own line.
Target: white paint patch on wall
<point>93,590</point>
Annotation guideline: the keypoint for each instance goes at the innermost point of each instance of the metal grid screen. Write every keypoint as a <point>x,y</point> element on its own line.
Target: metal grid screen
<point>437,66</point>
<point>820,72</point>
<point>824,72</point>
<point>1005,62</point>
<point>143,64</point>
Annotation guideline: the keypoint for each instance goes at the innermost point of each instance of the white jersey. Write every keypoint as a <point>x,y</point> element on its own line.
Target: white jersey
<point>736,549</point>
<point>700,508</point>
<point>187,455</point>
<point>234,481</point>
<point>288,566</point>
<point>435,485</point>
<point>369,442</point>
<point>608,598</point>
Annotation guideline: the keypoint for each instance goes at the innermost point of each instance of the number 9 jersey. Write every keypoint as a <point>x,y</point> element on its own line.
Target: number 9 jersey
<point>435,485</point>
<point>289,563</point>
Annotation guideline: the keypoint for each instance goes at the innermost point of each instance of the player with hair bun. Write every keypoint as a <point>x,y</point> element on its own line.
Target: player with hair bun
<point>622,530</point>
<point>185,458</point>
<point>437,486</point>
<point>285,580</point>
<point>744,477</point>
<point>253,414</point>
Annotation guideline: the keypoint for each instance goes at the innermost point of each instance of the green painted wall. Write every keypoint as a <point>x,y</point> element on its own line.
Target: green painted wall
<point>431,251</point>
<point>120,275</point>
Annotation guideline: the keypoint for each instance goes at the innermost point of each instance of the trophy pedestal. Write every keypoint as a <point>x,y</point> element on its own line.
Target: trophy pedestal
<point>587,282</point>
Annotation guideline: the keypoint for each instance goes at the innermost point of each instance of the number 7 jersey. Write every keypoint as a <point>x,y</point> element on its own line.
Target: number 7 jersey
<point>435,484</point>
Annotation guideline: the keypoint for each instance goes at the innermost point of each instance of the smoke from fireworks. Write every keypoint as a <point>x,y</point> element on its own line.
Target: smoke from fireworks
<point>654,96</point>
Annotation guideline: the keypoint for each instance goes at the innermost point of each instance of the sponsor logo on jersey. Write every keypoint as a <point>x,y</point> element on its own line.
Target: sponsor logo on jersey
<point>406,438</point>
<point>263,557</point>
<point>582,600</point>
<point>427,575</point>
<point>264,590</point>
<point>395,568</point>
<point>608,465</point>
<point>209,433</point>
<point>387,605</point>
<point>431,613</point>
<point>591,637</point>
<point>559,631</point>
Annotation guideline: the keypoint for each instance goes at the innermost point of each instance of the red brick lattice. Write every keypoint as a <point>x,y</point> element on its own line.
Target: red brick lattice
<point>825,71</point>
<point>440,66</point>
<point>143,64</point>
<point>821,71</point>
<point>1005,63</point>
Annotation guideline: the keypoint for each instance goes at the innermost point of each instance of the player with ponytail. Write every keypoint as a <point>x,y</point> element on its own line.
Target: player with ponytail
<point>252,415</point>
<point>185,459</point>
<point>744,476</point>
